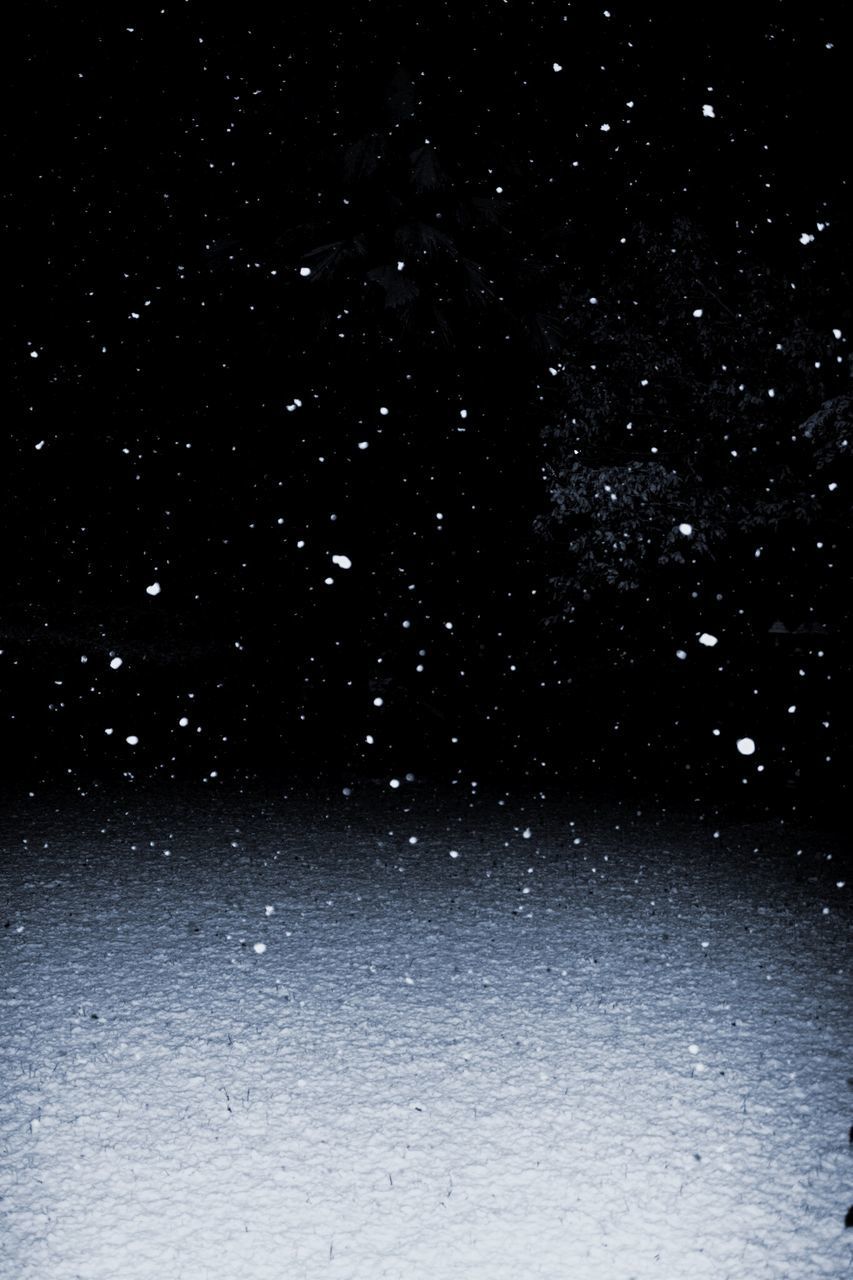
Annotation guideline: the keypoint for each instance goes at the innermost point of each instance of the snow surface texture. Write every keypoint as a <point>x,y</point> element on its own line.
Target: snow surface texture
<point>570,1051</point>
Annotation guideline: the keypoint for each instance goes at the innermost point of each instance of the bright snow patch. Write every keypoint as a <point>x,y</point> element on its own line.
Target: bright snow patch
<point>343,562</point>
<point>746,746</point>
<point>708,640</point>
<point>115,663</point>
<point>708,111</point>
<point>131,740</point>
<point>304,271</point>
<point>557,66</point>
<point>431,1082</point>
<point>154,589</point>
<point>686,529</point>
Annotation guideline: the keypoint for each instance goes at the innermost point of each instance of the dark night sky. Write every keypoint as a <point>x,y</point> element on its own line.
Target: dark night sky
<point>285,286</point>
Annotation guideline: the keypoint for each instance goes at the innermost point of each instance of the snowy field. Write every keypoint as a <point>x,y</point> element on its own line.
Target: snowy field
<point>270,1038</point>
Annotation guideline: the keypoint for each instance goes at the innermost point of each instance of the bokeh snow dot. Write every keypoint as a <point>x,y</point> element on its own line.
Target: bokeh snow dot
<point>746,746</point>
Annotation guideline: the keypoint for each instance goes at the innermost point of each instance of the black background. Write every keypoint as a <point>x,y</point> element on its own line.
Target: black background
<point>169,172</point>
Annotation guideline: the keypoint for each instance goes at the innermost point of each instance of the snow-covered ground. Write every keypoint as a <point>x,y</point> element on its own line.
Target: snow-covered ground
<point>263,1039</point>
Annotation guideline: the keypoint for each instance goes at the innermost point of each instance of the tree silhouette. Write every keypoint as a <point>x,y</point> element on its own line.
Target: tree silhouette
<point>698,476</point>
<point>693,442</point>
<point>413,245</point>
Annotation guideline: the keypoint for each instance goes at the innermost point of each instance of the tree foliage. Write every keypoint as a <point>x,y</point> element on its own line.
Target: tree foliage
<point>412,246</point>
<point>702,417</point>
